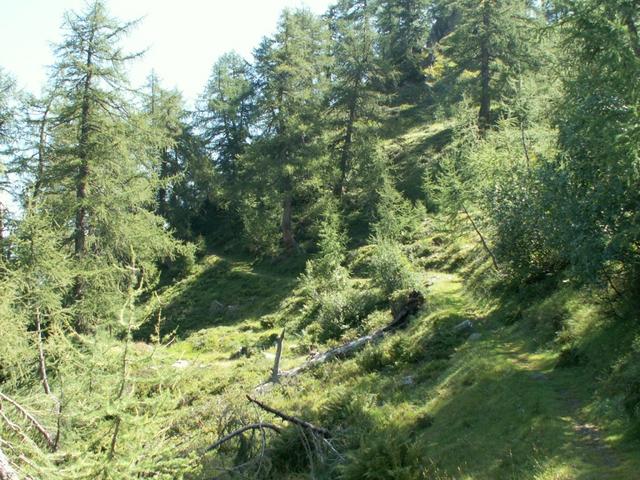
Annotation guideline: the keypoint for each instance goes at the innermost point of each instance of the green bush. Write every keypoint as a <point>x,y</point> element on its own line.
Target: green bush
<point>391,269</point>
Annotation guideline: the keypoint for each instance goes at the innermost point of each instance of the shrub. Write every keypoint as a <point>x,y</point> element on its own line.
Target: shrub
<point>392,271</point>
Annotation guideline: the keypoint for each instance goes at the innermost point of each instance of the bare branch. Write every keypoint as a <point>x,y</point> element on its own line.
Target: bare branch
<point>240,431</point>
<point>289,418</point>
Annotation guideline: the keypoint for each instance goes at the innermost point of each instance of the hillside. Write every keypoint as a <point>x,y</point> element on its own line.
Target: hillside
<point>525,393</point>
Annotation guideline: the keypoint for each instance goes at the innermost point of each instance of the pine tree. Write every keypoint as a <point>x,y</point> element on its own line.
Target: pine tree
<point>493,39</point>
<point>403,29</point>
<point>104,159</point>
<point>166,111</point>
<point>225,114</point>
<point>292,69</point>
<point>7,119</point>
<point>354,98</point>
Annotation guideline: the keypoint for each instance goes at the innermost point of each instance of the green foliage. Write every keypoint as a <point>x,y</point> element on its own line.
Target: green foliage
<point>391,269</point>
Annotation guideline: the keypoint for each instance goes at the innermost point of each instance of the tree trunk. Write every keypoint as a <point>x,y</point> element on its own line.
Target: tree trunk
<point>42,130</point>
<point>162,191</point>
<point>345,155</point>
<point>82,180</point>
<point>1,230</point>
<point>484,116</point>
<point>275,373</point>
<point>288,238</point>
<point>42,365</point>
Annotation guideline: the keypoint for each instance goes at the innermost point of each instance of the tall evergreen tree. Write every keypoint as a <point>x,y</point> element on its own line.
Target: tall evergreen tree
<point>403,29</point>
<point>495,39</point>
<point>226,112</point>
<point>104,163</point>
<point>7,117</point>
<point>354,95</point>
<point>292,69</point>
<point>166,111</point>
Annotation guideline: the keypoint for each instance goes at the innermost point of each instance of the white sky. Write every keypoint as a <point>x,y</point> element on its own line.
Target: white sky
<point>183,37</point>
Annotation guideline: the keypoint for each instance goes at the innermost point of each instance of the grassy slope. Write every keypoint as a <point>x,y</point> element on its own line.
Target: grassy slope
<point>423,403</point>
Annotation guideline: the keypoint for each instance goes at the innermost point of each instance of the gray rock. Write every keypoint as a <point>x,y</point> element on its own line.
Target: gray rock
<point>407,380</point>
<point>474,337</point>
<point>216,308</point>
<point>181,364</point>
<point>463,326</point>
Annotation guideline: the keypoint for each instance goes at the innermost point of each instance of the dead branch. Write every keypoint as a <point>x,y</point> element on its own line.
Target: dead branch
<point>6,470</point>
<point>289,418</point>
<point>240,431</point>
<point>37,425</point>
<point>42,366</point>
<point>484,242</point>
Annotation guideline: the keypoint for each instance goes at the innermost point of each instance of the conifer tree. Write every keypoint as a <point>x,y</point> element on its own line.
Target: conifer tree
<point>166,111</point>
<point>354,96</point>
<point>225,113</point>
<point>403,29</point>
<point>494,39</point>
<point>104,159</point>
<point>292,69</point>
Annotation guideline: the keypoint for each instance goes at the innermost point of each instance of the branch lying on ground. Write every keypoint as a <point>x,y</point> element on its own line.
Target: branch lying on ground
<point>240,431</point>
<point>289,418</point>
<point>413,304</point>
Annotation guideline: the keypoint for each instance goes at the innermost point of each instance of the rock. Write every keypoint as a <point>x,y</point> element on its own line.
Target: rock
<point>216,308</point>
<point>243,352</point>
<point>474,337</point>
<point>463,326</point>
<point>407,380</point>
<point>181,364</point>
<point>539,376</point>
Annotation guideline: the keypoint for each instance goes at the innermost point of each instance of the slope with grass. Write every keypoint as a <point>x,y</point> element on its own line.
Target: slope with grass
<point>526,393</point>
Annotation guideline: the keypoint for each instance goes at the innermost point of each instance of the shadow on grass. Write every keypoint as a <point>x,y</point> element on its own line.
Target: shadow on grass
<point>224,291</point>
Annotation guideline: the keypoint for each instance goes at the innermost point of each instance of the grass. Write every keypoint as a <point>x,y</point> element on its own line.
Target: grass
<point>423,403</point>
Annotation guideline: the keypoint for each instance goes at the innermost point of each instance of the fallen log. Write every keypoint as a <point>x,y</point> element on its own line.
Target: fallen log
<point>6,470</point>
<point>414,302</point>
<point>240,431</point>
<point>291,419</point>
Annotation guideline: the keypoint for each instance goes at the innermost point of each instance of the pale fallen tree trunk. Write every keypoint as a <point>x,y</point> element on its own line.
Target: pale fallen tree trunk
<point>6,470</point>
<point>240,431</point>
<point>291,419</point>
<point>413,304</point>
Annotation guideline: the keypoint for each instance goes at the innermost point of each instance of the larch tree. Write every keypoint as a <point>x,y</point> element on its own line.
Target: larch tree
<point>166,111</point>
<point>403,29</point>
<point>292,69</point>
<point>225,114</point>
<point>354,96</point>
<point>7,133</point>
<point>104,164</point>
<point>493,39</point>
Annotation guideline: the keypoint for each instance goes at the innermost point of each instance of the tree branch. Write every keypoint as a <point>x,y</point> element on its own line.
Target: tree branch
<point>289,418</point>
<point>253,426</point>
<point>37,425</point>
